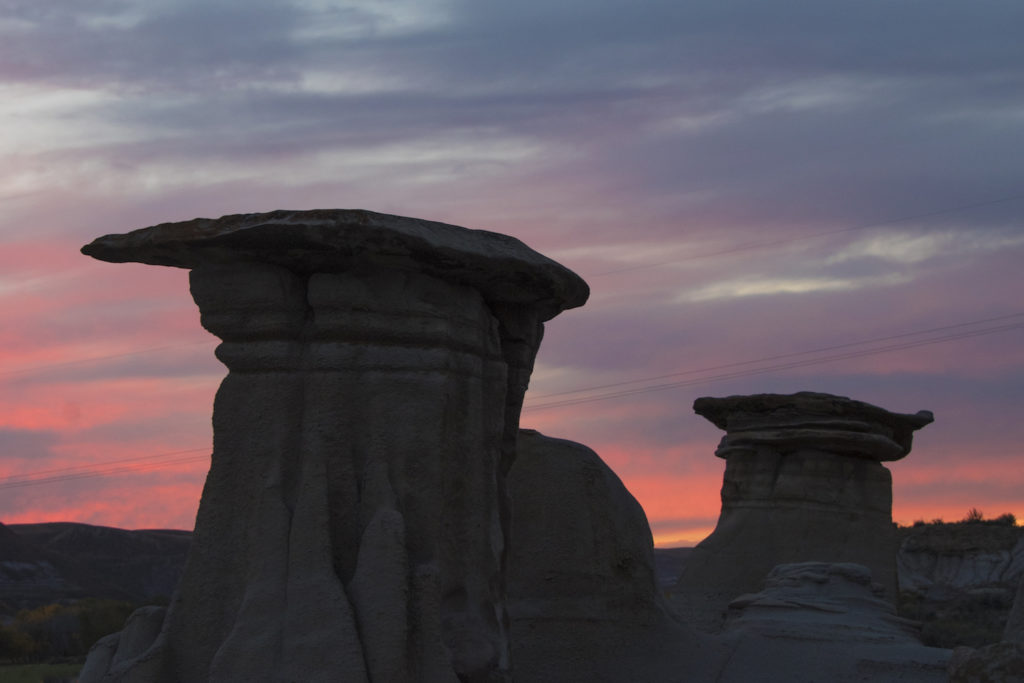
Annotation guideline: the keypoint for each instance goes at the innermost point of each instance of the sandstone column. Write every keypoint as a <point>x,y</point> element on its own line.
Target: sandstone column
<point>804,481</point>
<point>353,522</point>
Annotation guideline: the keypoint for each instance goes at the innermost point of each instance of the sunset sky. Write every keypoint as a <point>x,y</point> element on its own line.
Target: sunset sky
<point>763,196</point>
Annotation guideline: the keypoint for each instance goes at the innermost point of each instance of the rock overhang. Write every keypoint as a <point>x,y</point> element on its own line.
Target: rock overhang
<point>809,420</point>
<point>503,269</point>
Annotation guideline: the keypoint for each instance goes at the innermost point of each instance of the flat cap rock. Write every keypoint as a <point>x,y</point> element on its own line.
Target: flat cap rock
<point>810,419</point>
<point>501,267</point>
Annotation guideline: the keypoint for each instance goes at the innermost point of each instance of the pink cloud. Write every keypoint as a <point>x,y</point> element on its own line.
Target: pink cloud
<point>167,499</point>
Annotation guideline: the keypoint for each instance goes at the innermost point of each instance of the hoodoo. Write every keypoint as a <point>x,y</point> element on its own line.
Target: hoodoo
<point>804,482</point>
<point>353,522</point>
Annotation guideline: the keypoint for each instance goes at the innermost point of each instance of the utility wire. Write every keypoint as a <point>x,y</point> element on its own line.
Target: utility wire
<point>782,356</point>
<point>147,462</point>
<point>772,368</point>
<point>90,471</point>
<point>751,246</point>
<point>66,470</point>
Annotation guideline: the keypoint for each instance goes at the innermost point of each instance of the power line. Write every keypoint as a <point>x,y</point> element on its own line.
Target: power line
<point>104,470</point>
<point>149,462</point>
<point>784,355</point>
<point>752,246</point>
<point>65,470</point>
<point>772,368</point>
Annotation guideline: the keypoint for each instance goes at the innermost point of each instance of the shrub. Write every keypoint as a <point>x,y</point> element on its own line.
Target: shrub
<point>16,645</point>
<point>98,618</point>
<point>1009,519</point>
<point>61,630</point>
<point>974,515</point>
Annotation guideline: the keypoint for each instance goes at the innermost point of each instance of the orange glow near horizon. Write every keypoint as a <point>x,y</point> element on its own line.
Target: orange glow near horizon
<point>63,409</point>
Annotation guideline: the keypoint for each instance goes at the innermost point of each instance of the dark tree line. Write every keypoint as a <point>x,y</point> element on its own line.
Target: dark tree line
<point>58,630</point>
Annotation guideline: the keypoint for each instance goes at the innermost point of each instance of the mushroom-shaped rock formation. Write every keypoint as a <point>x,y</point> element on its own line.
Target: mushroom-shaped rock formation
<point>804,481</point>
<point>818,621</point>
<point>584,601</point>
<point>354,517</point>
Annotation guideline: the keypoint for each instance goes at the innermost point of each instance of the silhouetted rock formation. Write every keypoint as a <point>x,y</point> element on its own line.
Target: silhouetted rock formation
<point>803,482</point>
<point>817,621</point>
<point>353,521</point>
<point>583,596</point>
<point>372,512</point>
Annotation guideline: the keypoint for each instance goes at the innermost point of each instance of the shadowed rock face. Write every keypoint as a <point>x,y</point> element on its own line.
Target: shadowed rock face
<point>584,601</point>
<point>1015,624</point>
<point>996,663</point>
<point>578,534</point>
<point>353,522</point>
<point>803,482</point>
<point>818,621</point>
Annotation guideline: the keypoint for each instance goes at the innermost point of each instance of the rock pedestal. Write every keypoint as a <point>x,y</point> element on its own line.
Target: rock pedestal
<point>804,481</point>
<point>353,522</point>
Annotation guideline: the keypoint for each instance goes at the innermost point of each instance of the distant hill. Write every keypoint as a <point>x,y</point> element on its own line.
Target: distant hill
<point>62,561</point>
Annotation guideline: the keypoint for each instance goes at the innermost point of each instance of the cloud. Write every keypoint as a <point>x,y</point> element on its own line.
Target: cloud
<point>162,498</point>
<point>26,446</point>
<point>736,180</point>
<point>767,287</point>
<point>912,248</point>
<point>170,98</point>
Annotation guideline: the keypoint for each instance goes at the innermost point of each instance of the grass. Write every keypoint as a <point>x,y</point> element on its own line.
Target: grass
<point>38,673</point>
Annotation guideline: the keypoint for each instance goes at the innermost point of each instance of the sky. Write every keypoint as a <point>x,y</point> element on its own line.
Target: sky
<point>763,197</point>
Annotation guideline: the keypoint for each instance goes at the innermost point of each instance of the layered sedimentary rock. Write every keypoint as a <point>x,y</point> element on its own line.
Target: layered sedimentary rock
<point>804,481</point>
<point>1000,662</point>
<point>942,559</point>
<point>960,573</point>
<point>353,522</point>
<point>818,621</point>
<point>584,600</point>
